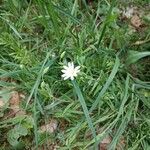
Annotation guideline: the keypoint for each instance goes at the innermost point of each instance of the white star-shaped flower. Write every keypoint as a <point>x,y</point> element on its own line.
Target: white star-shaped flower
<point>70,71</point>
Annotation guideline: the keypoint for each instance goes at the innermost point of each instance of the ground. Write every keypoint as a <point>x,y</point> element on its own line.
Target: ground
<point>106,106</point>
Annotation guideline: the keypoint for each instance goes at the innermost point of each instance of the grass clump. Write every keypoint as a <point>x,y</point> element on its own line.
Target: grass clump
<point>108,104</point>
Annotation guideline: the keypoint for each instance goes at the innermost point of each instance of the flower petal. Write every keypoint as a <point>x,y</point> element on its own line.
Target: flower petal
<point>72,77</point>
<point>77,68</point>
<point>65,67</point>
<point>65,78</point>
<point>75,74</point>
<point>64,71</point>
<point>71,65</point>
<point>77,71</point>
<point>64,75</point>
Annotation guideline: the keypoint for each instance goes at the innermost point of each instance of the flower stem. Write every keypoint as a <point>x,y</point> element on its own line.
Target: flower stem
<point>85,109</point>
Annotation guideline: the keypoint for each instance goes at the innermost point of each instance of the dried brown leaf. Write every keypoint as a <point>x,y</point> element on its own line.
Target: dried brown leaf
<point>105,142</point>
<point>50,127</point>
<point>15,99</point>
<point>121,144</point>
<point>128,12</point>
<point>140,42</point>
<point>14,102</point>
<point>1,103</point>
<point>136,21</point>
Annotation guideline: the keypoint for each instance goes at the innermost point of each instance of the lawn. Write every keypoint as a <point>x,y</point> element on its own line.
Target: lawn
<point>74,75</point>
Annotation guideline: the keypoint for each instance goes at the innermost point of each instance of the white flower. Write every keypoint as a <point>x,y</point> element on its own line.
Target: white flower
<point>70,71</point>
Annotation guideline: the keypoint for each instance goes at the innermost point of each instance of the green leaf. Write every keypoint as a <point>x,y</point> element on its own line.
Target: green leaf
<point>15,2</point>
<point>28,122</point>
<point>5,94</point>
<point>134,56</point>
<point>14,134</point>
<point>85,109</point>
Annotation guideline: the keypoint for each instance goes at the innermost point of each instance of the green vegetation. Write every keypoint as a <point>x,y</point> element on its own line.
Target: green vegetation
<point>109,99</point>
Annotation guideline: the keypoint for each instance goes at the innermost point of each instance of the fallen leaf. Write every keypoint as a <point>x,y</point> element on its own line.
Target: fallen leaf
<point>15,104</point>
<point>22,95</point>
<point>15,101</point>
<point>136,21</point>
<point>105,142</point>
<point>1,103</point>
<point>128,12</point>
<point>50,127</point>
<point>140,42</point>
<point>121,144</point>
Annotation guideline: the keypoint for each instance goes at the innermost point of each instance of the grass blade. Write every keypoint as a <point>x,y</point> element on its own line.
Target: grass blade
<point>121,129</point>
<point>107,84</point>
<point>37,82</point>
<point>83,104</point>
<point>59,9</point>
<point>105,24</point>
<point>134,56</point>
<point>12,27</point>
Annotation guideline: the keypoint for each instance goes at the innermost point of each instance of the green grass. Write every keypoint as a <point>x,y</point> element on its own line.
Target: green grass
<point>110,97</point>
